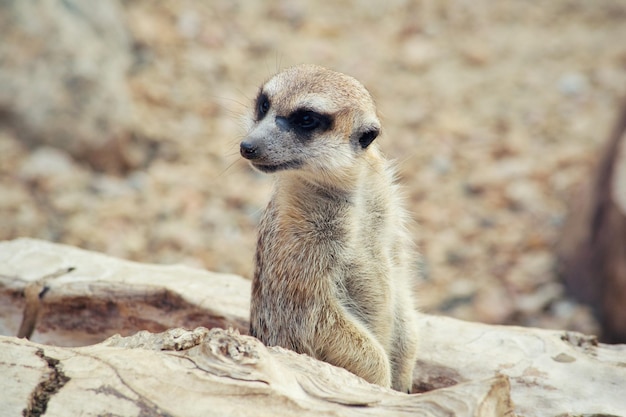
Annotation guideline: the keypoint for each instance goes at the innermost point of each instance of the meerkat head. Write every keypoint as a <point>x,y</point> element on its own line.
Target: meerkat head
<point>312,119</point>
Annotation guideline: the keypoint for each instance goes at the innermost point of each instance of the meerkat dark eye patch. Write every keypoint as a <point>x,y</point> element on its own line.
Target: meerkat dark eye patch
<point>368,137</point>
<point>307,121</point>
<point>262,106</point>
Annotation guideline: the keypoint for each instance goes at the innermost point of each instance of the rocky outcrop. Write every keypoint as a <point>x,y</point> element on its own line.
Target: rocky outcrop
<point>61,295</point>
<point>214,373</point>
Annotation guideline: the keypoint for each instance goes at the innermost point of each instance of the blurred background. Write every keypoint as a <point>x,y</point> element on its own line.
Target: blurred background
<point>120,123</point>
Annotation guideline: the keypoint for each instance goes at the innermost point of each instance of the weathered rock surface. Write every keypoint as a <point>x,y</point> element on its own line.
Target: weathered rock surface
<point>63,76</point>
<point>214,373</point>
<point>80,297</point>
<point>551,373</point>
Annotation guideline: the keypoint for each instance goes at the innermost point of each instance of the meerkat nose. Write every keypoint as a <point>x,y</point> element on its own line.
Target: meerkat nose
<point>249,150</point>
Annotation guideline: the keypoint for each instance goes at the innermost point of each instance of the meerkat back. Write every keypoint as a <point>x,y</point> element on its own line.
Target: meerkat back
<point>332,276</point>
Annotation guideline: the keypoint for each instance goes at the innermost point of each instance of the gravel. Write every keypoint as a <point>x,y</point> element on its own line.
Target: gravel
<point>494,113</point>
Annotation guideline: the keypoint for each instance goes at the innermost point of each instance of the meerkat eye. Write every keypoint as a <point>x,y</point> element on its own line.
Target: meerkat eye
<point>307,120</point>
<point>262,106</point>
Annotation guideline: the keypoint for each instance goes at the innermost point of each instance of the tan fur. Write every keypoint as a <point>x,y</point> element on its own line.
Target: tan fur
<point>332,276</point>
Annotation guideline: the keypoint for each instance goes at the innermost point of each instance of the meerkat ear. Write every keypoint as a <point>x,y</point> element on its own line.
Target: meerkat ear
<point>367,137</point>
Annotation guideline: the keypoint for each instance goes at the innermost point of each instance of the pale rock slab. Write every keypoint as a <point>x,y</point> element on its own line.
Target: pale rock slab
<point>81,297</point>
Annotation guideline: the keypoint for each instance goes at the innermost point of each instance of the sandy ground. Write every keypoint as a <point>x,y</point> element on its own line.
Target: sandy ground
<point>494,112</point>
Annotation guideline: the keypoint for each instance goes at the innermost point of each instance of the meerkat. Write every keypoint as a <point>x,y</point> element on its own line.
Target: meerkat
<point>332,266</point>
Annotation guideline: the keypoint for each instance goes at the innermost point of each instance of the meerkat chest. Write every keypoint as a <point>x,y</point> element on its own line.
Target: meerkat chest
<point>317,218</point>
<point>326,237</point>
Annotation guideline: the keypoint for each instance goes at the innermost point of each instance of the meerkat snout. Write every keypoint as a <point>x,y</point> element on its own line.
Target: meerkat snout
<point>333,274</point>
<point>249,150</point>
